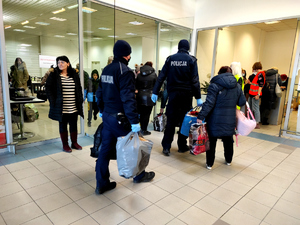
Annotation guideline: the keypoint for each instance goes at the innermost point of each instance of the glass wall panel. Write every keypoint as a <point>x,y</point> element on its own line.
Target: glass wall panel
<point>38,32</point>
<point>98,32</point>
<point>2,121</point>
<point>168,45</point>
<point>204,55</point>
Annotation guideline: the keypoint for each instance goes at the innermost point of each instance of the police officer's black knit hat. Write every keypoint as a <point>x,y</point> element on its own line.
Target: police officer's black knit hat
<point>184,44</point>
<point>121,48</point>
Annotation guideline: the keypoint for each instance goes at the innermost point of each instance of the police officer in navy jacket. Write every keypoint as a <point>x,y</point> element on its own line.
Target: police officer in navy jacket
<point>181,72</point>
<point>116,94</point>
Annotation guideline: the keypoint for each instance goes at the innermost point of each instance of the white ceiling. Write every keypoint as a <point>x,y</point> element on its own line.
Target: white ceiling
<point>15,12</point>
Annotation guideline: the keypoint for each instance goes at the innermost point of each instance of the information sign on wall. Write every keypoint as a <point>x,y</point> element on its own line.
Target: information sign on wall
<point>46,61</point>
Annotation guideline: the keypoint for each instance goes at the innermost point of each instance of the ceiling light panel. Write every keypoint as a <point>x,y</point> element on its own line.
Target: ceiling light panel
<point>104,28</point>
<point>59,11</point>
<point>42,23</point>
<point>30,27</point>
<point>25,22</point>
<point>72,6</point>
<point>58,19</point>
<point>137,23</point>
<point>19,30</point>
<point>88,10</point>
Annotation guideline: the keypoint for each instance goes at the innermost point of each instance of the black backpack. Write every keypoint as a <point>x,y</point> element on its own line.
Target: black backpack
<point>98,142</point>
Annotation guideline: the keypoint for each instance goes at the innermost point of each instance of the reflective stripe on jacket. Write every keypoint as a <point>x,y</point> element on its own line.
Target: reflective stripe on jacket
<point>254,84</point>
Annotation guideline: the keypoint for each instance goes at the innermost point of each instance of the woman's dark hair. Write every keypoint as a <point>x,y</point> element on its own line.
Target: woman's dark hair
<point>64,58</point>
<point>257,66</point>
<point>225,69</point>
<point>149,63</point>
<point>16,61</point>
<point>245,76</point>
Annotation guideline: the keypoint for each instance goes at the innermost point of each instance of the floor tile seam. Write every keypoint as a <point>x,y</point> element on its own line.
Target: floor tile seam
<point>190,205</point>
<point>285,214</point>
<point>205,208</point>
<point>245,195</point>
<point>86,217</point>
<point>151,203</point>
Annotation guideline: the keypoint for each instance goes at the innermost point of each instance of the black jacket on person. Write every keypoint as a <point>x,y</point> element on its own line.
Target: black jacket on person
<point>271,80</point>
<point>55,96</point>
<point>144,84</point>
<point>181,72</point>
<point>219,109</point>
<point>116,91</point>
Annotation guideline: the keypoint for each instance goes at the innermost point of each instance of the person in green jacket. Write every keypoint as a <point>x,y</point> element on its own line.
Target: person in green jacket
<point>20,74</point>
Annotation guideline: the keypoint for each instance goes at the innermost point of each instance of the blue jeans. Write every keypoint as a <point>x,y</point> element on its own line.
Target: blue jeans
<point>254,106</point>
<point>111,131</point>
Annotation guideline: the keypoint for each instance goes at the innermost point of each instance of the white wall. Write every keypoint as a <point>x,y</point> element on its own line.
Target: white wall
<point>219,12</point>
<point>278,49</point>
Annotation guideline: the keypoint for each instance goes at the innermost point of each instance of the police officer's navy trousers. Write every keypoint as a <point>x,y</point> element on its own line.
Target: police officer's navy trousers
<point>111,131</point>
<point>180,102</point>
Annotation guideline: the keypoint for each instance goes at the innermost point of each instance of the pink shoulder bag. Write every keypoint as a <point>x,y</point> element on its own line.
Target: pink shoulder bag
<point>245,125</point>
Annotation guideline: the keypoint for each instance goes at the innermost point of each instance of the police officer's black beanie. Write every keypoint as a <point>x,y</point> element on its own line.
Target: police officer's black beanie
<point>121,48</point>
<point>183,44</point>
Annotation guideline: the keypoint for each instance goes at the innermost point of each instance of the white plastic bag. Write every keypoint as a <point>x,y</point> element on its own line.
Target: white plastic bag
<point>133,154</point>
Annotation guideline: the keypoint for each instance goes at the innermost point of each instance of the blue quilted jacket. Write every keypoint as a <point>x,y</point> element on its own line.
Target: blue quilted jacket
<point>223,95</point>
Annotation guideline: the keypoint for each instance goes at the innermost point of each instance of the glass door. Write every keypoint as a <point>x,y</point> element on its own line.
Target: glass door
<point>291,125</point>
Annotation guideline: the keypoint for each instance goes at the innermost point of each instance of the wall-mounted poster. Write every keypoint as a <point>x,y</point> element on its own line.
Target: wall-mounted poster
<point>2,122</point>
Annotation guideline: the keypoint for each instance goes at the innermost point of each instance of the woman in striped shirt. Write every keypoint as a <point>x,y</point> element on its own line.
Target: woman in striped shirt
<point>64,92</point>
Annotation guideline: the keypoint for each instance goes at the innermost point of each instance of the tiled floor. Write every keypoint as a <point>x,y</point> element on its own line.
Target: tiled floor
<point>43,185</point>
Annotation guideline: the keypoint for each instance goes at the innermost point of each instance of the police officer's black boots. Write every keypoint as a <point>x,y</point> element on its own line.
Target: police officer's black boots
<point>166,152</point>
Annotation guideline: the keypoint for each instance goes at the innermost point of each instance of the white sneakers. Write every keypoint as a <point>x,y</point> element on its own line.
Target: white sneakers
<point>228,164</point>
<point>208,167</point>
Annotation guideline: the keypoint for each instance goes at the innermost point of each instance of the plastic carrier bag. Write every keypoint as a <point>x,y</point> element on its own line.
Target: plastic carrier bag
<point>198,139</point>
<point>160,122</point>
<point>189,119</point>
<point>133,154</point>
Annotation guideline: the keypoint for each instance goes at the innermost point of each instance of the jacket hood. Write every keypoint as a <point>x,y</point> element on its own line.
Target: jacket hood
<point>146,70</point>
<point>271,72</point>
<point>226,80</point>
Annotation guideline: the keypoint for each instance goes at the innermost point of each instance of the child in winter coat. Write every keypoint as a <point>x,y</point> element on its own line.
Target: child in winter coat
<point>91,96</point>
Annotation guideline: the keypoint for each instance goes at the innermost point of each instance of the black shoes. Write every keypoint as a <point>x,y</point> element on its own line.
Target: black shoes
<point>148,177</point>
<point>184,149</point>
<point>89,124</point>
<point>166,152</point>
<point>95,117</point>
<point>109,187</point>
<point>145,132</point>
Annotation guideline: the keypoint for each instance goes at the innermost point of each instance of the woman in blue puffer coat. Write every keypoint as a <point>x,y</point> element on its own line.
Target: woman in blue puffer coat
<point>219,111</point>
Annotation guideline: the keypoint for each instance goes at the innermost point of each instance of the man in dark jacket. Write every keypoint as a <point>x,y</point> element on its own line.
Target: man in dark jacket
<point>219,111</point>
<point>268,98</point>
<point>181,72</point>
<point>116,94</point>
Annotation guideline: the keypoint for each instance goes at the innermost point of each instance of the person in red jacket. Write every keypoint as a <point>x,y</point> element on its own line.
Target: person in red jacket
<point>257,82</point>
